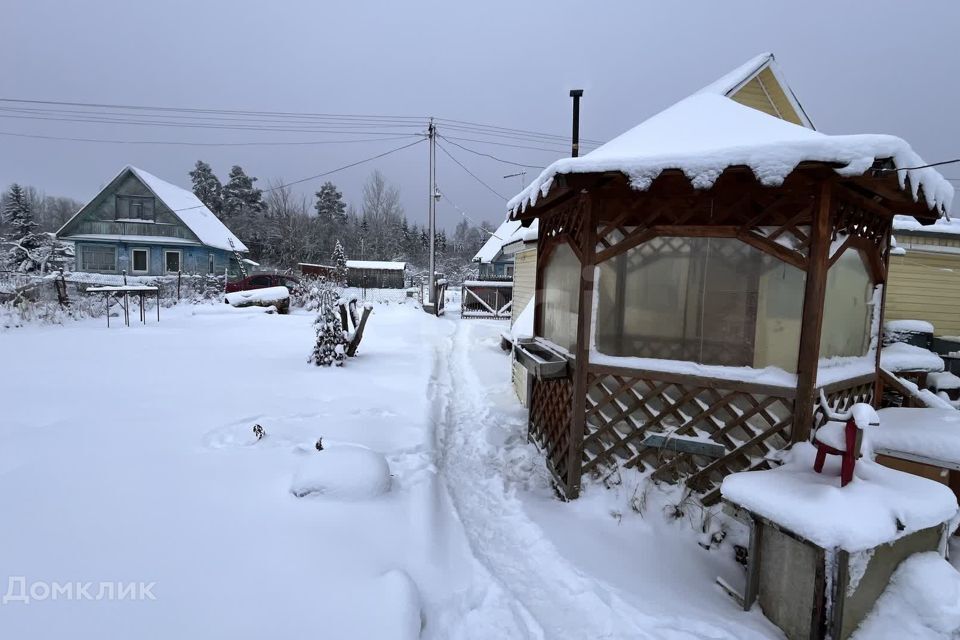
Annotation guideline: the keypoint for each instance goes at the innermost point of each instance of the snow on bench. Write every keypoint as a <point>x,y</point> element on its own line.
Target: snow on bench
<point>278,297</point>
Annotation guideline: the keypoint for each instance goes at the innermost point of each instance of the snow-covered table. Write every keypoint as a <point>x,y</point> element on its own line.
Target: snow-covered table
<point>820,555</point>
<point>122,295</point>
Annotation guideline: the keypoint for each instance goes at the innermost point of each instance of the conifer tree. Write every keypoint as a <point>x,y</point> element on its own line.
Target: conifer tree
<point>330,205</point>
<point>18,214</point>
<point>240,196</point>
<point>207,187</point>
<point>331,346</point>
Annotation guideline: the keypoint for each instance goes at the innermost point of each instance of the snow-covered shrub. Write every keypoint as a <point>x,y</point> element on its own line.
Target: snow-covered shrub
<point>331,345</point>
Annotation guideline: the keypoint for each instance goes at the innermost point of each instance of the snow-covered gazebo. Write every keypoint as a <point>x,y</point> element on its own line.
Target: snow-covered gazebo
<point>701,279</point>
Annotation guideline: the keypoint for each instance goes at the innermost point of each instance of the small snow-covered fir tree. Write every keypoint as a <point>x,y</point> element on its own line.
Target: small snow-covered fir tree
<point>27,250</point>
<point>331,346</point>
<point>340,263</point>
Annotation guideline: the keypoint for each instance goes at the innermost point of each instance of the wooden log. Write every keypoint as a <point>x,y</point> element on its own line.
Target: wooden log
<point>358,334</point>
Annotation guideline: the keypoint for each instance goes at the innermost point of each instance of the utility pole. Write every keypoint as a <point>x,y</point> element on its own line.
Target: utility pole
<point>431,282</point>
<point>576,94</point>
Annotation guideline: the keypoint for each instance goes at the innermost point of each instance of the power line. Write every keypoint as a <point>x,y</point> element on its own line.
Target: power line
<point>464,214</point>
<point>925,166</point>
<point>326,173</point>
<point>206,144</point>
<point>506,144</point>
<point>472,174</point>
<point>487,155</point>
<point>509,129</point>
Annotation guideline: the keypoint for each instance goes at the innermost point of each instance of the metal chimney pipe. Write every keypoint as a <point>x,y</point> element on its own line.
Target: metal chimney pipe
<point>576,94</point>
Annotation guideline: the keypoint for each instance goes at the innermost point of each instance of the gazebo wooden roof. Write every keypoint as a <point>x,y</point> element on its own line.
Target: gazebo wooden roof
<point>710,168</point>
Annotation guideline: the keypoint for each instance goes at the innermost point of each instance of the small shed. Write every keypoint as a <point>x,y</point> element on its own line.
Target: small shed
<point>375,274</point>
<point>701,279</point>
<point>318,270</point>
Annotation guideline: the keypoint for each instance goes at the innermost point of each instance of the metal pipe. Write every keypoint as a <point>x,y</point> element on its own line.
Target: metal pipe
<point>576,94</point>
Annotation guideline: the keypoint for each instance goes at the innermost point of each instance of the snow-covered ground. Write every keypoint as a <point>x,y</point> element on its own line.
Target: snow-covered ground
<point>128,455</point>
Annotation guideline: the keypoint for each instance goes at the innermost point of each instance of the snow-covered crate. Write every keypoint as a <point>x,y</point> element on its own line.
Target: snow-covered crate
<point>820,555</point>
<point>916,332</point>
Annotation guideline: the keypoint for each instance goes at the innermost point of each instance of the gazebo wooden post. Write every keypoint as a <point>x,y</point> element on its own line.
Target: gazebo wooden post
<point>587,244</point>
<point>812,317</point>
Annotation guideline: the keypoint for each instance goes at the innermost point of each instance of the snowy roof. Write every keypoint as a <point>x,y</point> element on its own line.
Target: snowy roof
<point>114,237</point>
<point>375,264</point>
<point>184,205</point>
<point>704,134</point>
<point>931,433</point>
<point>503,235</point>
<point>909,224</point>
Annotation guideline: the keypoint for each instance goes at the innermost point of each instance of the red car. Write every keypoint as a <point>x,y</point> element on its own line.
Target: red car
<point>263,280</point>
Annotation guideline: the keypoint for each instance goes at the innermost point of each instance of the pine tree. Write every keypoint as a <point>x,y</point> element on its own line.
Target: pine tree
<point>330,205</point>
<point>340,263</point>
<point>331,345</point>
<point>207,187</point>
<point>18,214</point>
<point>240,196</point>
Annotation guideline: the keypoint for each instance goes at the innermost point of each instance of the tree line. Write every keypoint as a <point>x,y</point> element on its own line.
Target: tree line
<point>280,227</point>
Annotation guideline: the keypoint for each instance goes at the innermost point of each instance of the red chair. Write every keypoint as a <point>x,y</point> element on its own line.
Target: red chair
<point>838,439</point>
<point>842,435</point>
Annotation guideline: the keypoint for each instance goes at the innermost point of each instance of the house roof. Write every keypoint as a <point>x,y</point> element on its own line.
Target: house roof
<point>764,72</point>
<point>185,205</point>
<point>707,132</point>
<point>376,264</point>
<point>507,232</point>
<point>909,224</point>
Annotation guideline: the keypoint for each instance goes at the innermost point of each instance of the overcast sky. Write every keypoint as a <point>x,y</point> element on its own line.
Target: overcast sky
<point>857,67</point>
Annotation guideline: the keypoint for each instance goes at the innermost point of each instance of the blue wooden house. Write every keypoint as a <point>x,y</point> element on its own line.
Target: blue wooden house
<point>494,263</point>
<point>145,226</point>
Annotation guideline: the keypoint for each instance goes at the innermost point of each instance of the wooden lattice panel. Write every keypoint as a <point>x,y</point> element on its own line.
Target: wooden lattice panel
<point>621,411</point>
<point>551,405</point>
<point>841,398</point>
<point>856,221</point>
<point>566,219</point>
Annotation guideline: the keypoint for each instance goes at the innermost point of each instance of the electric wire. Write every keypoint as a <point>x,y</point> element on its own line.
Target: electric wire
<point>472,174</point>
<point>209,144</point>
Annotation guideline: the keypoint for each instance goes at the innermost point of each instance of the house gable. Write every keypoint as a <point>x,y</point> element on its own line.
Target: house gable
<point>127,207</point>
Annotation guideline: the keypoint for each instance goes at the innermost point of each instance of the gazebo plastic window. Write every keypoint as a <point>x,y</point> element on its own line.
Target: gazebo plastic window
<point>708,300</point>
<point>847,307</point>
<point>561,283</point>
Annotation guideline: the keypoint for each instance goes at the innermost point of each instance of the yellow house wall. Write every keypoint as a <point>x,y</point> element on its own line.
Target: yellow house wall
<point>524,280</point>
<point>524,283</point>
<point>925,285</point>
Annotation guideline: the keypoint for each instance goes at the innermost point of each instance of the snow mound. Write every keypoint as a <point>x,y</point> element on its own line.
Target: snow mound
<point>349,472</point>
<point>901,356</point>
<point>921,602</point>
<point>398,606</point>
<point>913,326</point>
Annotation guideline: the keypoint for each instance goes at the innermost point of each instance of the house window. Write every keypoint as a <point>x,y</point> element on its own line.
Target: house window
<point>98,258</point>
<point>210,263</point>
<point>141,260</point>
<point>135,208</point>
<point>171,261</point>
<point>707,300</point>
<point>561,286</point>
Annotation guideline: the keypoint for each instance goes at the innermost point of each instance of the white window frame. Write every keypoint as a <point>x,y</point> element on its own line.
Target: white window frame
<point>133,261</point>
<point>179,253</point>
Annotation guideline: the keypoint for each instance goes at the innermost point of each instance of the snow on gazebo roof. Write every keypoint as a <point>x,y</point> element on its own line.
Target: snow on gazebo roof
<point>507,232</point>
<point>704,134</point>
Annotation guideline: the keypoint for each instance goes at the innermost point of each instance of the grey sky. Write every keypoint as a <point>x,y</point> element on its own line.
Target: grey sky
<point>857,67</point>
